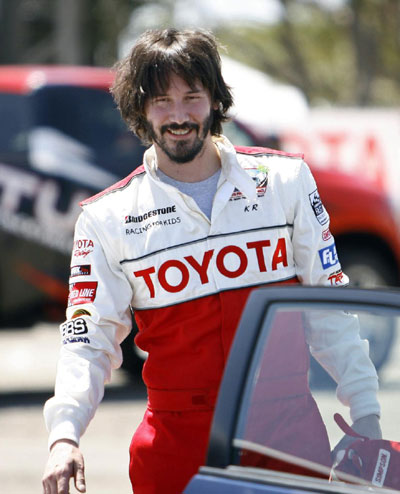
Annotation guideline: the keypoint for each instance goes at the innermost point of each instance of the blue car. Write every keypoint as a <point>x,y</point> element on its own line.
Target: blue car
<point>262,438</point>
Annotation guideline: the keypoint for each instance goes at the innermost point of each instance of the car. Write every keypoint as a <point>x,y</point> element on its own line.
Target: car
<point>256,444</point>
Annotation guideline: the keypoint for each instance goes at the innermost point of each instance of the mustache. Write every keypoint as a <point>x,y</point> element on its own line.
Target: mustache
<point>183,126</point>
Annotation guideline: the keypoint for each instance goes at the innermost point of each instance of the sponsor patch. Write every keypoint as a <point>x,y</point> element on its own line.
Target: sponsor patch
<point>74,327</point>
<point>318,207</point>
<point>83,247</point>
<point>326,235</point>
<point>260,177</point>
<point>82,293</point>
<point>381,467</point>
<point>75,339</point>
<point>328,256</point>
<point>336,278</point>
<point>81,270</point>
<point>150,214</point>
<point>137,230</point>
<point>231,261</point>
<point>80,312</point>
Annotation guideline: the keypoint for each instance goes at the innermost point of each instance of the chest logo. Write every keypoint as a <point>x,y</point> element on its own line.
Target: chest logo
<point>231,261</point>
<point>260,177</point>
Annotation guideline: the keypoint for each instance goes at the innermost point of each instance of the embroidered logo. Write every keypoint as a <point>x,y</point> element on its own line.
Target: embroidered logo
<point>318,207</point>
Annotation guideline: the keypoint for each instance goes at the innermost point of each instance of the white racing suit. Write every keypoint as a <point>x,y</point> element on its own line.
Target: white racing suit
<point>144,244</point>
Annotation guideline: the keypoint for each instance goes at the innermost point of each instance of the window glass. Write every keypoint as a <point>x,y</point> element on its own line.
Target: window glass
<point>236,134</point>
<point>86,124</point>
<point>14,121</point>
<point>286,418</point>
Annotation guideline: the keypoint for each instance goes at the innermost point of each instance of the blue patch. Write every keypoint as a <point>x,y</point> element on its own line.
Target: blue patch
<point>328,256</point>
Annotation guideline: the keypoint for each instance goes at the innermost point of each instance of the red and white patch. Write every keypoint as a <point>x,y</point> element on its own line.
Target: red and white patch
<point>326,234</point>
<point>336,278</point>
<point>82,293</point>
<point>83,247</point>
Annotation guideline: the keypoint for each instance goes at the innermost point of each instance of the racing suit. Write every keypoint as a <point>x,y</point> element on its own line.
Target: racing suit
<point>144,244</point>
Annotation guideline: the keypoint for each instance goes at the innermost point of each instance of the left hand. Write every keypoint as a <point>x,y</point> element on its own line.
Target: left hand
<point>366,426</point>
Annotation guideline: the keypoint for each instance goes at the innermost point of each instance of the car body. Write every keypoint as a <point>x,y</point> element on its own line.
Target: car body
<point>255,380</point>
<point>61,141</point>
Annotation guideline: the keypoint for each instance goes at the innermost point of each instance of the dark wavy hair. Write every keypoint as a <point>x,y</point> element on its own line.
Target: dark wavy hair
<point>145,72</point>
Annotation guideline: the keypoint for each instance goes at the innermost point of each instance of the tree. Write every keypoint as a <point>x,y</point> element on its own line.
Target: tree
<point>62,31</point>
<point>349,55</point>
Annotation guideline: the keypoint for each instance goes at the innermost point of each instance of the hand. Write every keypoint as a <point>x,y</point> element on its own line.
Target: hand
<point>366,426</point>
<point>65,461</point>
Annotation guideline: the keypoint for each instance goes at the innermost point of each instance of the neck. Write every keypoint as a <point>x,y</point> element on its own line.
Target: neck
<point>203,166</point>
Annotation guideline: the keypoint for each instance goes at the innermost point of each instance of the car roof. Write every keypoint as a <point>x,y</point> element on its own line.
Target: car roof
<point>24,79</point>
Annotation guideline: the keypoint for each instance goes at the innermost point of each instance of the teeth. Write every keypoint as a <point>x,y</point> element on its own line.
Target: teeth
<point>179,132</point>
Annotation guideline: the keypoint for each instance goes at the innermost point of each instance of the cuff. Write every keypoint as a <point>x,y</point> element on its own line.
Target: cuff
<point>363,404</point>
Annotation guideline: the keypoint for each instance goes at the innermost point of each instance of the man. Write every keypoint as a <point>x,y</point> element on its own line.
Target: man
<point>183,240</point>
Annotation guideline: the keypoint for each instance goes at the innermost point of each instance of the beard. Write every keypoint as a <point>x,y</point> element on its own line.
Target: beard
<point>182,151</point>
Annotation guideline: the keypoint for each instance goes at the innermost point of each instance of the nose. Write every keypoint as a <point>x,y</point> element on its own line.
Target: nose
<point>179,113</point>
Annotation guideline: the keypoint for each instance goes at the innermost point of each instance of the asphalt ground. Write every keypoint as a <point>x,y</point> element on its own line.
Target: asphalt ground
<point>28,359</point>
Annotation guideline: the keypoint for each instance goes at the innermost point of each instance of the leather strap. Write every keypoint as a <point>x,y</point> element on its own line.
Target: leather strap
<point>346,428</point>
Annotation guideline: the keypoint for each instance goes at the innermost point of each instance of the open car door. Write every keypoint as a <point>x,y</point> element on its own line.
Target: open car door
<point>274,427</point>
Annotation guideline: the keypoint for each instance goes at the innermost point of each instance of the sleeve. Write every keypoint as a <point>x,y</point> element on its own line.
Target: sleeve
<point>333,336</point>
<point>98,320</point>
<point>315,254</point>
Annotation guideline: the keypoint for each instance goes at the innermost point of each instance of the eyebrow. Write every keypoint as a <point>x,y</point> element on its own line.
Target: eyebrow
<point>191,91</point>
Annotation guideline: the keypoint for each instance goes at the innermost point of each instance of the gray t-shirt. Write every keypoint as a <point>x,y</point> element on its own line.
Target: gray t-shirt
<point>202,192</point>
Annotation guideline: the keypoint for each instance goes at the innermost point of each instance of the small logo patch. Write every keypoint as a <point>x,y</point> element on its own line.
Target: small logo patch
<point>336,278</point>
<point>80,270</point>
<point>318,207</point>
<point>326,235</point>
<point>328,256</point>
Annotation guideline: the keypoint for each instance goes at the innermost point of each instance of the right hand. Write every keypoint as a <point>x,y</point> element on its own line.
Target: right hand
<point>65,461</point>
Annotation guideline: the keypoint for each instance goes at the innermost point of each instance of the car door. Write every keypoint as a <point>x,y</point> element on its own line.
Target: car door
<point>274,425</point>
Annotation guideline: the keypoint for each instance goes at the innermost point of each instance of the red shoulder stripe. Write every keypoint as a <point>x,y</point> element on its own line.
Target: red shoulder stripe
<point>117,186</point>
<point>253,150</point>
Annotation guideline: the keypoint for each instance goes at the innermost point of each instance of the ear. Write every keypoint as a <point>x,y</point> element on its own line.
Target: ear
<point>216,105</point>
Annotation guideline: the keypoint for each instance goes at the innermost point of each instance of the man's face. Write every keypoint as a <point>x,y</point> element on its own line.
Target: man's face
<point>179,121</point>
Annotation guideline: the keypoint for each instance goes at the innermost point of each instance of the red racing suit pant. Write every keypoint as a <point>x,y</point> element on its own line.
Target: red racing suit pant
<point>167,450</point>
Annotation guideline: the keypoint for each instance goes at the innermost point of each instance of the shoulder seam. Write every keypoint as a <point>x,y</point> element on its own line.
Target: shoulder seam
<point>263,151</point>
<point>118,186</point>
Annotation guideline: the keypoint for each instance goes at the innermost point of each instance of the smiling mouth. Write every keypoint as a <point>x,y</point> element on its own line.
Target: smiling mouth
<point>179,132</point>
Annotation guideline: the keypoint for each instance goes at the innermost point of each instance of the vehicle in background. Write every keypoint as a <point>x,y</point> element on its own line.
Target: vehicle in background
<point>263,439</point>
<point>62,140</point>
<point>354,155</point>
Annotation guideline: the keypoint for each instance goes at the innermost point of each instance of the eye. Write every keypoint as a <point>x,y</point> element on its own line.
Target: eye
<point>193,97</point>
<point>160,100</point>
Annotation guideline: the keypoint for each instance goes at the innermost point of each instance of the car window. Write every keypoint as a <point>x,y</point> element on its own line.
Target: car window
<point>235,133</point>
<point>286,414</point>
<point>14,122</point>
<point>87,125</point>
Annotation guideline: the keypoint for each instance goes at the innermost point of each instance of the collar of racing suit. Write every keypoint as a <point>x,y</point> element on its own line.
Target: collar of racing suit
<point>231,171</point>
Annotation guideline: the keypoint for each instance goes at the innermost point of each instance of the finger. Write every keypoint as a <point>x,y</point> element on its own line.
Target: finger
<point>49,486</point>
<point>62,485</point>
<point>80,483</point>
